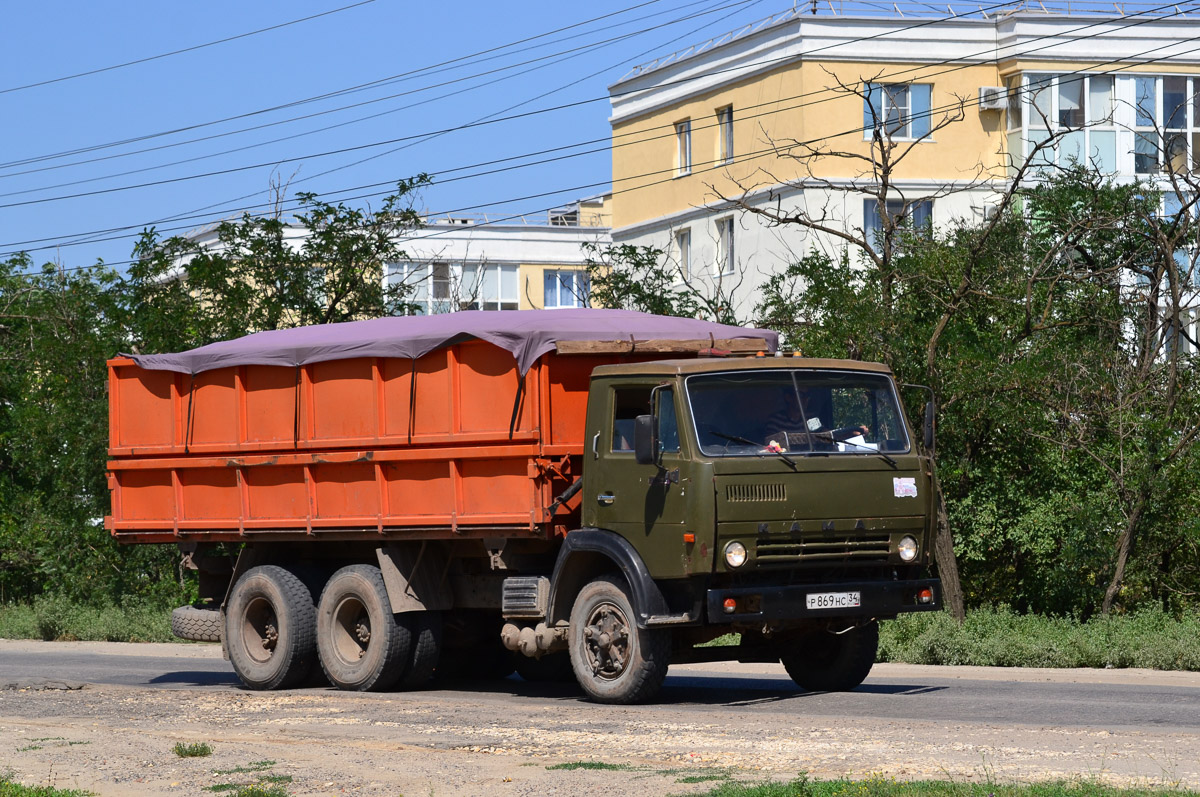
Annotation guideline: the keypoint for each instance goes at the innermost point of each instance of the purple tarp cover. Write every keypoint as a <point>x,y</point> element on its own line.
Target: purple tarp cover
<point>527,334</point>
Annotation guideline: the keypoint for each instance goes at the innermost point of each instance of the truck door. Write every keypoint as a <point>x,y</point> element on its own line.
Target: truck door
<point>645,504</point>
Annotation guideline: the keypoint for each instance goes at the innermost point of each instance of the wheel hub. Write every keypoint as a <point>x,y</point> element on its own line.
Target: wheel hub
<point>606,638</point>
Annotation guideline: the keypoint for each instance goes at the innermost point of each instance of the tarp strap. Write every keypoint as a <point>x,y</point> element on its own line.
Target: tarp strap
<point>187,433</point>
<point>512,423</point>
<point>296,412</point>
<point>412,398</point>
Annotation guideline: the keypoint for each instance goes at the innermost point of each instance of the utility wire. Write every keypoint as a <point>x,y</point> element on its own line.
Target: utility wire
<point>338,92</point>
<point>193,48</point>
<point>443,131</point>
<point>670,174</point>
<point>559,57</point>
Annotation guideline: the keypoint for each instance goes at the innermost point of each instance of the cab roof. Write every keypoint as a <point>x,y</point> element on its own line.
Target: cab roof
<point>706,365</point>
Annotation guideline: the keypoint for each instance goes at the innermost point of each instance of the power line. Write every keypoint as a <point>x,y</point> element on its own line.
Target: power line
<point>555,149</point>
<point>574,52</point>
<point>433,68</point>
<point>183,50</point>
<point>670,174</point>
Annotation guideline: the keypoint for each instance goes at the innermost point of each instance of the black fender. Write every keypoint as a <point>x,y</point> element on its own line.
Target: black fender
<point>588,553</point>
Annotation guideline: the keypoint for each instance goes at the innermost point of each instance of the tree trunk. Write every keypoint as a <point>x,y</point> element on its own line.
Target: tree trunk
<point>1124,545</point>
<point>943,552</point>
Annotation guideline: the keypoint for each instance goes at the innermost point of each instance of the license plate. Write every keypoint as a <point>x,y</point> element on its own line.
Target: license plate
<point>833,600</point>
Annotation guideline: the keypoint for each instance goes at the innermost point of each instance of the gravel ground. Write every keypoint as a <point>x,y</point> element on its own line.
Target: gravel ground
<point>481,739</point>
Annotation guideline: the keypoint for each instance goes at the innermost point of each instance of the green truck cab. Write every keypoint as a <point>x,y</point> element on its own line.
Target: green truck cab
<point>782,499</point>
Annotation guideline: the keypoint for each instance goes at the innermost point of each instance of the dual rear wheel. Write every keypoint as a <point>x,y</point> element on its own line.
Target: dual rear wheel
<point>275,632</point>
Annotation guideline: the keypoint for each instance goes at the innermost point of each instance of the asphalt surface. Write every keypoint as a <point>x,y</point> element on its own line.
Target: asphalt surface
<point>1112,699</point>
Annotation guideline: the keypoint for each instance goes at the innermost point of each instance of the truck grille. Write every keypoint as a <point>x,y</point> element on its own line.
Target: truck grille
<point>874,547</point>
<point>745,493</point>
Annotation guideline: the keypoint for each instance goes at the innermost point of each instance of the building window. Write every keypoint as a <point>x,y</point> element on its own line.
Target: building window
<point>1166,133</point>
<point>565,288</point>
<point>725,250</point>
<point>487,287</point>
<point>918,213</point>
<point>897,110</point>
<point>683,252</point>
<point>1078,109</point>
<point>725,134</point>
<point>430,282</point>
<point>683,140</point>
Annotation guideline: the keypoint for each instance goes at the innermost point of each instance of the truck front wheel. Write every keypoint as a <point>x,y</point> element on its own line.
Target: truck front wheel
<point>821,661</point>
<point>361,645</point>
<point>614,660</point>
<point>270,628</point>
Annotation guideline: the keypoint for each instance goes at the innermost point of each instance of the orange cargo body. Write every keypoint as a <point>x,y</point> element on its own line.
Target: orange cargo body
<point>454,443</point>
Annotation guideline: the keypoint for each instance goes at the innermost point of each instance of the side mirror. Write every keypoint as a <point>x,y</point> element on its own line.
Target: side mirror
<point>930,412</point>
<point>645,440</point>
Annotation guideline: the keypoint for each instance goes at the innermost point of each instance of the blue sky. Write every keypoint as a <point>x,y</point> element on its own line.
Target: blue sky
<point>405,45</point>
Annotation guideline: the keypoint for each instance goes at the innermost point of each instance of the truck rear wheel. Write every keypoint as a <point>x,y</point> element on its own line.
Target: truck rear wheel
<point>614,660</point>
<point>270,628</point>
<point>360,644</point>
<point>825,662</point>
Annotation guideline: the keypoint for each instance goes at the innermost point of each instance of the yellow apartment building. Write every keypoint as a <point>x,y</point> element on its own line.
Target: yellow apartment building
<point>967,90</point>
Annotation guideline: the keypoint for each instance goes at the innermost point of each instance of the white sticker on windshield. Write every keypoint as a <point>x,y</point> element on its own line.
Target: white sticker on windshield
<point>904,487</point>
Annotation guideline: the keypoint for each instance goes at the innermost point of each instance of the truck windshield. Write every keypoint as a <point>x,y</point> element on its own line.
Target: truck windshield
<point>760,412</point>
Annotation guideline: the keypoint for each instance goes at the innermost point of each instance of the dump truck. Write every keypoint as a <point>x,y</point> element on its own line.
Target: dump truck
<point>586,494</point>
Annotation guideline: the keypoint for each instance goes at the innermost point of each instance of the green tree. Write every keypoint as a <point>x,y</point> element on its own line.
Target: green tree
<point>262,273</point>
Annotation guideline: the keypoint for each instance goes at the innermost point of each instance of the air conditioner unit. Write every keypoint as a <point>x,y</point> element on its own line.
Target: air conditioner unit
<point>993,98</point>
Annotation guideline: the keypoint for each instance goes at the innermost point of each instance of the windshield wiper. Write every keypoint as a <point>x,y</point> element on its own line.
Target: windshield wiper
<point>738,439</point>
<point>882,455</point>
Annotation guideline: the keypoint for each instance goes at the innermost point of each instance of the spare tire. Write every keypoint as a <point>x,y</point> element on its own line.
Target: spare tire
<point>201,625</point>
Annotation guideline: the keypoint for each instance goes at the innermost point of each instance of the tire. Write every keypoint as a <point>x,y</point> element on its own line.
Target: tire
<point>270,628</point>
<point>199,625</point>
<point>426,630</point>
<point>360,645</point>
<point>614,660</point>
<point>551,668</point>
<point>821,661</point>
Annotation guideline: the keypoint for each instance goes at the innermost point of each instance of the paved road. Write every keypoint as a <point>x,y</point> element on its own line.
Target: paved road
<point>1127,726</point>
<point>1127,699</point>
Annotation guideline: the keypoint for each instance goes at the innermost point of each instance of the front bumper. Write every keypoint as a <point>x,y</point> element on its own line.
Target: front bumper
<point>879,599</point>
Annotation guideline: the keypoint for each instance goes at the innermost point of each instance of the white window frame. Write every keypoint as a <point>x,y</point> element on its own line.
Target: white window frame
<point>888,95</point>
<point>726,245</point>
<point>725,134</point>
<point>683,251</point>
<point>474,295</point>
<point>579,287</point>
<point>683,148</point>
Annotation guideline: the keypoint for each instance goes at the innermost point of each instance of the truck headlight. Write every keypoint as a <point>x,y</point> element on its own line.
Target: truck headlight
<point>735,554</point>
<point>907,548</point>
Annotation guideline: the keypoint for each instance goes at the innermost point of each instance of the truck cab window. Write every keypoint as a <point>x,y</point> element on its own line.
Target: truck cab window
<point>628,403</point>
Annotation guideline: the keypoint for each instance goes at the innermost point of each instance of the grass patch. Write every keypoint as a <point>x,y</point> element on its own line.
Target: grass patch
<point>27,748</point>
<point>10,788</point>
<point>267,785</point>
<point>253,766</point>
<point>889,787</point>
<point>192,749</point>
<point>54,617</point>
<point>1002,638</point>
<point>591,765</point>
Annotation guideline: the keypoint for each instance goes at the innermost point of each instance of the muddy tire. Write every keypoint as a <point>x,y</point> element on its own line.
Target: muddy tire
<point>360,645</point>
<point>270,628</point>
<point>821,661</point>
<point>199,625</point>
<point>426,630</point>
<point>614,660</point>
